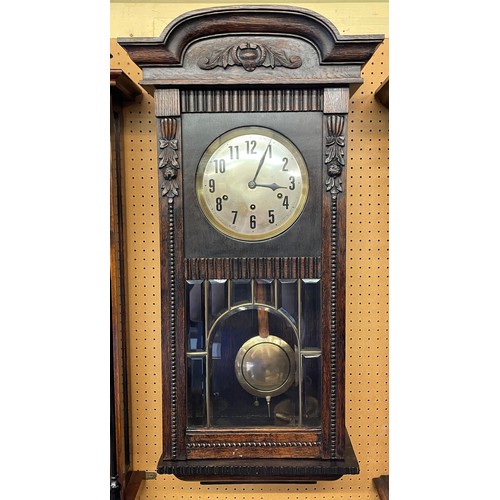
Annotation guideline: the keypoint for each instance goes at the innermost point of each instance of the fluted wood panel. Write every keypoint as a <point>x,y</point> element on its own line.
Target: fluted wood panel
<point>220,101</point>
<point>246,268</point>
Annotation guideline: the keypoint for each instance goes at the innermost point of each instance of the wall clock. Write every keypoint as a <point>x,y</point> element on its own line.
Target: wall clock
<point>251,105</point>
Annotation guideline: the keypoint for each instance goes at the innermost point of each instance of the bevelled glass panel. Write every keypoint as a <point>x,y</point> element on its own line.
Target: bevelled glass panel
<point>264,292</point>
<point>253,377</point>
<point>241,292</point>
<point>311,313</point>
<point>288,299</point>
<point>311,390</point>
<point>196,391</point>
<point>217,299</point>
<point>195,307</point>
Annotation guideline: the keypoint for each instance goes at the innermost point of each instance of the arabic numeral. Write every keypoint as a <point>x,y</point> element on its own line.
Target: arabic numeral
<point>253,222</point>
<point>271,216</point>
<point>292,183</point>
<point>284,168</point>
<point>235,214</point>
<point>251,145</point>
<point>220,166</point>
<point>218,204</point>
<point>285,202</point>
<point>234,152</point>
<point>211,185</point>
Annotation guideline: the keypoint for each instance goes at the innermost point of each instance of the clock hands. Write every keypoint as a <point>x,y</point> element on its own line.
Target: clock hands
<point>252,184</point>
<point>272,186</point>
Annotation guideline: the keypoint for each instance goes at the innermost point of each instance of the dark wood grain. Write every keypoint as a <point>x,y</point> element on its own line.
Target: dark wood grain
<point>180,295</point>
<point>168,48</point>
<point>341,311</point>
<point>165,308</point>
<point>134,482</point>
<point>251,100</point>
<point>382,93</point>
<point>252,267</point>
<point>122,91</point>
<point>262,470</point>
<point>122,87</point>
<point>381,483</point>
<point>265,443</point>
<point>326,315</point>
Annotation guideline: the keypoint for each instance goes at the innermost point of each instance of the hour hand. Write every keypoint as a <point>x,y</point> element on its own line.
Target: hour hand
<point>272,186</point>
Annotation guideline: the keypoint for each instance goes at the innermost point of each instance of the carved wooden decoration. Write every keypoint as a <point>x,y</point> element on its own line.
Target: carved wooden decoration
<point>168,157</point>
<point>232,69</point>
<point>250,56</point>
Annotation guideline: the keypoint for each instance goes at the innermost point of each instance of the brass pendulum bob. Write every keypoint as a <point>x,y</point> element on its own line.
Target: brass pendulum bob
<point>265,364</point>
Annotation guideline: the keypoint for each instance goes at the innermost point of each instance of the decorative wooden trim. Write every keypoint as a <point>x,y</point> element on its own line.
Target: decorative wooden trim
<point>172,331</point>
<point>256,444</point>
<point>333,255</point>
<point>336,100</point>
<point>250,56</point>
<point>259,470</point>
<point>251,100</point>
<point>167,102</point>
<point>333,329</point>
<point>338,278</point>
<point>248,267</point>
<point>168,49</point>
<point>335,152</point>
<point>168,146</point>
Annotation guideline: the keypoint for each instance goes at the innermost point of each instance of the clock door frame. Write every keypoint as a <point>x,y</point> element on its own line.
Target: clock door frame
<point>265,59</point>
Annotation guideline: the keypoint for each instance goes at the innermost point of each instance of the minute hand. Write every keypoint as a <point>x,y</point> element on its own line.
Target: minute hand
<point>252,184</point>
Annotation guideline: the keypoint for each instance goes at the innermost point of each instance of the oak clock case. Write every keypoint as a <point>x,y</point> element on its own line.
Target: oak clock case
<point>251,106</point>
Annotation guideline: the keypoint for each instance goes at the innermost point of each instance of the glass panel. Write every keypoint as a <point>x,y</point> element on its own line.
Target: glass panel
<point>288,299</point>
<point>217,299</point>
<point>252,375</point>
<point>264,292</point>
<point>311,313</point>
<point>196,377</point>
<point>311,389</point>
<point>241,292</point>
<point>196,316</point>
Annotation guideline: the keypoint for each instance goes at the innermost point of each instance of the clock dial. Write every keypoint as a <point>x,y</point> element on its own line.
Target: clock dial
<point>252,183</point>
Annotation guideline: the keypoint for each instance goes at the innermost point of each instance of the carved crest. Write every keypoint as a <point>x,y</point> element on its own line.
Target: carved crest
<point>250,56</point>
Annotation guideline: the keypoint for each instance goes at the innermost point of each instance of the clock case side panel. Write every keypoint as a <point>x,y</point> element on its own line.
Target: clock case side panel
<point>335,126</point>
<point>169,131</point>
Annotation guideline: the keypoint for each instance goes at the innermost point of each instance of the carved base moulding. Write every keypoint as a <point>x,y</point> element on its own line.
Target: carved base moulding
<point>276,470</point>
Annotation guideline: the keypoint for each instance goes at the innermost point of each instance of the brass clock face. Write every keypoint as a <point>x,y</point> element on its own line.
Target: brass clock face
<point>252,183</point>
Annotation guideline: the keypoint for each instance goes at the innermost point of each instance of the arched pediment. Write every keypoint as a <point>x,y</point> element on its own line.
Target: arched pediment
<point>169,48</point>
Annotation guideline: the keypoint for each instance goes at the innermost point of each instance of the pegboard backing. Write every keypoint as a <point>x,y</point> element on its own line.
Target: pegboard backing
<point>367,300</point>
